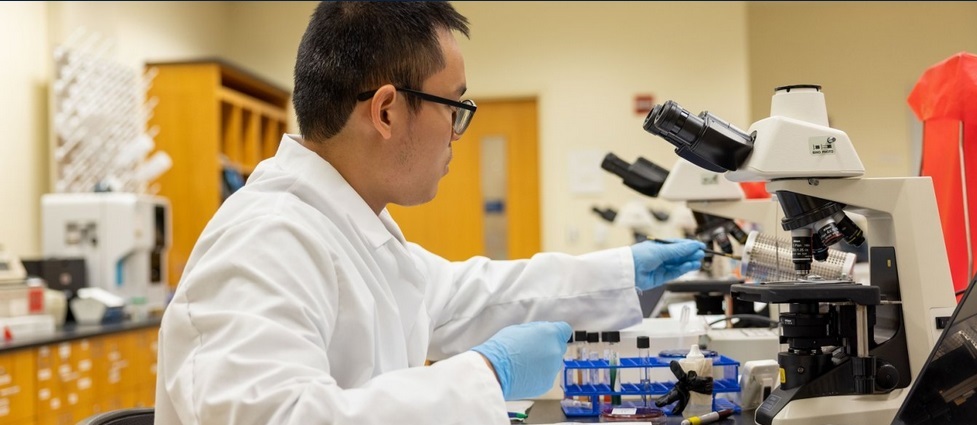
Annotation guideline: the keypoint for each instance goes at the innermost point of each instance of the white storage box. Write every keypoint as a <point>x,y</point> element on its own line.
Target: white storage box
<point>20,299</point>
<point>21,327</point>
<point>663,333</point>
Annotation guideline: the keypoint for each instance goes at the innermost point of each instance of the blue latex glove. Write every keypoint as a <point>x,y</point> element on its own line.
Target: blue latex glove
<point>527,357</point>
<point>656,263</point>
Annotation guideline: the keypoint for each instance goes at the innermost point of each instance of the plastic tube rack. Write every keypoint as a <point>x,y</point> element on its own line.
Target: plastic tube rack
<point>725,380</point>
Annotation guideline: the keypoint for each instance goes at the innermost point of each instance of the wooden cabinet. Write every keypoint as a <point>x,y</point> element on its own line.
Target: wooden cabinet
<point>17,387</point>
<point>66,382</point>
<point>144,367</point>
<point>210,114</point>
<point>113,370</point>
<point>65,391</point>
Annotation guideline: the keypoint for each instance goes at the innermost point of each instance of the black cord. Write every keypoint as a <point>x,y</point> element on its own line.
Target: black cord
<point>756,317</point>
<point>960,291</point>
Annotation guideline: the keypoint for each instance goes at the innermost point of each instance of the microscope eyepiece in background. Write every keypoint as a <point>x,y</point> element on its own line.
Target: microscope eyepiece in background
<point>643,176</point>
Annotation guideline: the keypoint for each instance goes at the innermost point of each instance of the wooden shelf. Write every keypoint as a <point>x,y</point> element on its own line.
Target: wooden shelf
<point>206,109</point>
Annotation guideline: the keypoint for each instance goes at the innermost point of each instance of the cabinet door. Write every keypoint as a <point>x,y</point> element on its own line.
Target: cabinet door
<point>144,359</point>
<point>17,396</point>
<point>50,400</point>
<point>111,355</point>
<point>78,390</point>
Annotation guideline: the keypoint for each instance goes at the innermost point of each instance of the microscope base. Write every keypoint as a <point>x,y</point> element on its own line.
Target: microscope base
<point>842,410</point>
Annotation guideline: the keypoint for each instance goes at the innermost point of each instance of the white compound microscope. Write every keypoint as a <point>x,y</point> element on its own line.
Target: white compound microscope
<point>722,199</point>
<point>853,348</point>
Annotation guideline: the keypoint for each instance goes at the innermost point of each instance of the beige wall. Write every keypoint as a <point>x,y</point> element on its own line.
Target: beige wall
<point>583,61</point>
<point>146,31</point>
<point>141,31</point>
<point>867,56</point>
<point>23,118</point>
<point>265,36</point>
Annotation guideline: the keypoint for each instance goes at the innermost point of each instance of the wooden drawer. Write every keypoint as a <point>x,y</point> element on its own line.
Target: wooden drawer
<point>17,391</point>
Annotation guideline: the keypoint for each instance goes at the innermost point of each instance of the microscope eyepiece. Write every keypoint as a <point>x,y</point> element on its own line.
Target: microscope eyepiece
<point>704,140</point>
<point>643,176</point>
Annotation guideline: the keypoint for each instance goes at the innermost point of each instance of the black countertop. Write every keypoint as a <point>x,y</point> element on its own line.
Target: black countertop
<point>549,411</point>
<point>72,331</point>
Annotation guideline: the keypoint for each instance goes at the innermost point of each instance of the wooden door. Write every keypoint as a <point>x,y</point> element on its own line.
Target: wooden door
<point>453,224</point>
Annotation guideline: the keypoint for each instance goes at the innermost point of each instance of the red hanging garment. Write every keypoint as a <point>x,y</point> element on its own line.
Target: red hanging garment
<point>945,100</point>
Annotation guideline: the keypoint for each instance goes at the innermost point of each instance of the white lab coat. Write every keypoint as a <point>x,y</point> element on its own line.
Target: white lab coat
<point>300,305</point>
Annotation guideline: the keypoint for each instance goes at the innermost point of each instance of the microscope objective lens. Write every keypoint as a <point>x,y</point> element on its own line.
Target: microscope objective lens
<point>802,255</point>
<point>819,250</point>
<point>722,240</point>
<point>829,233</point>
<point>853,234</point>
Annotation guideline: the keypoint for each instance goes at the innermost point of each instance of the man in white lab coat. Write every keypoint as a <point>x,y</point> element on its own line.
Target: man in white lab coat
<point>303,303</point>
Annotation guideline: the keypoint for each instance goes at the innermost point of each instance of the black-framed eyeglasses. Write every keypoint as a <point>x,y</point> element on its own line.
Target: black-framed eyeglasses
<point>461,112</point>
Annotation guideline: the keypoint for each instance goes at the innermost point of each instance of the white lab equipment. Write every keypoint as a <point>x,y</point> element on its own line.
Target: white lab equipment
<point>96,305</point>
<point>854,347</point>
<point>758,379</point>
<point>11,269</point>
<point>695,361</point>
<point>56,306</point>
<point>123,237</point>
<point>686,182</point>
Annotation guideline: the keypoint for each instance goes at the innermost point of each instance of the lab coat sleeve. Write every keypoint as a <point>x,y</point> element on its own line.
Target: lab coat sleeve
<point>471,300</point>
<point>247,342</point>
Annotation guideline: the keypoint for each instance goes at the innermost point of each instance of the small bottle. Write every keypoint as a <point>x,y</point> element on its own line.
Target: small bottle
<point>699,403</point>
<point>138,311</point>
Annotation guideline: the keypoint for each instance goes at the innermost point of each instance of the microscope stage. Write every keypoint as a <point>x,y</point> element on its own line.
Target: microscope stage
<point>800,291</point>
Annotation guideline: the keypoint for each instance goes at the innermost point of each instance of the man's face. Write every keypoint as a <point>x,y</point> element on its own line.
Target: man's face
<point>426,150</point>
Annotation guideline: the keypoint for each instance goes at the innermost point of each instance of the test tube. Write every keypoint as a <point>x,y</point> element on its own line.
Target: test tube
<point>580,348</point>
<point>593,354</point>
<point>614,360</point>
<point>605,376</point>
<point>605,355</point>
<point>644,343</point>
<point>568,375</point>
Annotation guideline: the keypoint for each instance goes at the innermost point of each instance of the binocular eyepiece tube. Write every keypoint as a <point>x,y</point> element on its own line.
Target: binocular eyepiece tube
<point>704,140</point>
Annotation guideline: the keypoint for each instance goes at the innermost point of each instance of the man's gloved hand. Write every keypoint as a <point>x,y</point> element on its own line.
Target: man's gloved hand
<point>527,357</point>
<point>656,263</point>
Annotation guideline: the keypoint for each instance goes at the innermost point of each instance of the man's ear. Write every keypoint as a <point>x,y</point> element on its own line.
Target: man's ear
<point>383,112</point>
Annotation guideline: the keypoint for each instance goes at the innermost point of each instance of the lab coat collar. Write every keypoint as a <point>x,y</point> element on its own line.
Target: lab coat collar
<point>333,190</point>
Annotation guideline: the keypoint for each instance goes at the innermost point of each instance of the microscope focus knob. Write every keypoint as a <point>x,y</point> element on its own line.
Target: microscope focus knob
<point>886,377</point>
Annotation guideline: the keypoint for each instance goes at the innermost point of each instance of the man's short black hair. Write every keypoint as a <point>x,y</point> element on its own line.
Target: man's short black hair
<point>352,47</point>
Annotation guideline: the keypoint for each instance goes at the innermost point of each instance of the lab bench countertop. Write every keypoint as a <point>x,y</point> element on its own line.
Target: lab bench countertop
<point>73,331</point>
<point>549,411</point>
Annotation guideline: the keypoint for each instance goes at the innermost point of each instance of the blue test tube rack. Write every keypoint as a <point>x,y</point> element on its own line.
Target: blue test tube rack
<point>728,383</point>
